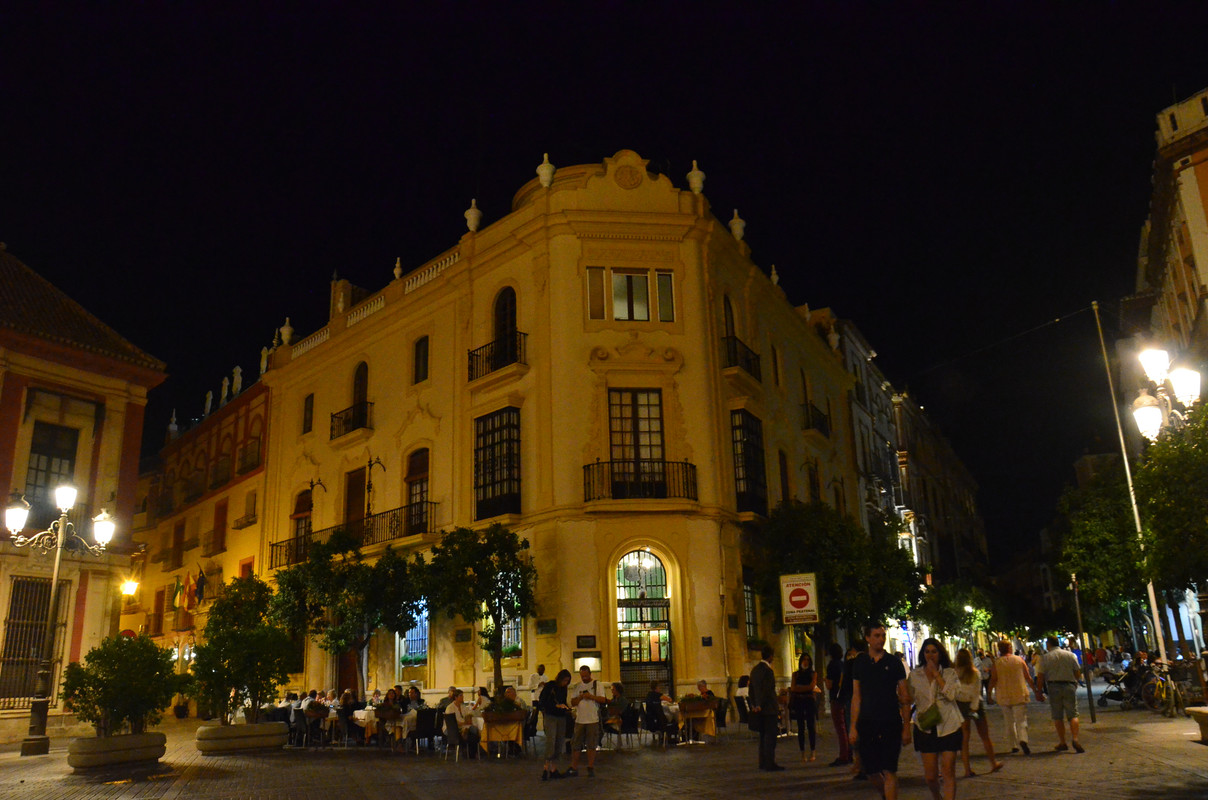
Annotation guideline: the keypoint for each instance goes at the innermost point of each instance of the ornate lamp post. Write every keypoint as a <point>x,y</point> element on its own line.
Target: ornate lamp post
<point>53,538</point>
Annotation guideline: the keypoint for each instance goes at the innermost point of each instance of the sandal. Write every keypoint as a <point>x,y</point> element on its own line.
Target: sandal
<point>997,766</point>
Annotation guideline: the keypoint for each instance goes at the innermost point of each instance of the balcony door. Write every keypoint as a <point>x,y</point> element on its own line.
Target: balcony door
<point>643,621</point>
<point>635,431</point>
<point>354,500</point>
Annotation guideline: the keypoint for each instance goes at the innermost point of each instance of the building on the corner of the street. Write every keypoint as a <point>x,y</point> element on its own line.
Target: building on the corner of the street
<point>72,396</point>
<point>604,370</point>
<point>198,516</point>
<point>939,498</point>
<point>1169,305</point>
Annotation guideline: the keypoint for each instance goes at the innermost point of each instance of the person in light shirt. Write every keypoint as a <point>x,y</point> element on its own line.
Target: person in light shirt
<point>586,699</point>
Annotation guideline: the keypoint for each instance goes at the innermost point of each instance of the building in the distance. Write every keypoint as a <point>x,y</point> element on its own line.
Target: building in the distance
<point>72,395</point>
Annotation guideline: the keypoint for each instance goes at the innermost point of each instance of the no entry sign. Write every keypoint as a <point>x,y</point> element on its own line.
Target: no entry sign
<point>799,598</point>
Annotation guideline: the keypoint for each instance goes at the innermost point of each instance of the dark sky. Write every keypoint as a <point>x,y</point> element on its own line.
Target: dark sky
<point>946,180</point>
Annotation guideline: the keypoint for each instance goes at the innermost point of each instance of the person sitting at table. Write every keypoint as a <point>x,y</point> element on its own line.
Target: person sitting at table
<point>510,694</point>
<point>444,701</point>
<point>484,699</point>
<point>332,699</point>
<point>618,702</point>
<point>702,688</point>
<point>311,697</point>
<point>655,695</point>
<point>348,704</point>
<point>415,700</point>
<point>376,697</point>
<point>465,725</point>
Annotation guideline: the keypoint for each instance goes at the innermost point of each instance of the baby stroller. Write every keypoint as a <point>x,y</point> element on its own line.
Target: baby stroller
<point>1125,688</point>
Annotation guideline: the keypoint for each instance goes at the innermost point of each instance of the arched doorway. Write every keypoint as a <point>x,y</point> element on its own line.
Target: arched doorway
<point>643,622</point>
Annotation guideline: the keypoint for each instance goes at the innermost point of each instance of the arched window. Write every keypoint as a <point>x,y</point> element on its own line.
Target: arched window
<point>419,361</point>
<point>643,619</point>
<point>360,384</point>
<point>301,515</point>
<point>506,341</point>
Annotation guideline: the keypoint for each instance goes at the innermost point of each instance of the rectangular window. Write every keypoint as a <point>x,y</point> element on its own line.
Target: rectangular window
<point>247,567</point>
<point>217,543</point>
<point>513,633</point>
<point>666,297</point>
<point>630,296</point>
<point>52,454</point>
<point>775,366</point>
<point>749,613</point>
<point>595,293</point>
<point>308,413</point>
<point>750,481</point>
<point>419,372</point>
<point>635,432</point>
<point>413,649</point>
<point>24,637</point>
<point>155,620</point>
<point>497,463</point>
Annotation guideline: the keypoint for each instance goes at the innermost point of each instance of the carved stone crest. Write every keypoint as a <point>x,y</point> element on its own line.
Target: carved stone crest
<point>628,176</point>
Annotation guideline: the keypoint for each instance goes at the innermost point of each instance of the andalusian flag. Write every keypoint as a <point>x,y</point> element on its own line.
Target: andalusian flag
<point>177,591</point>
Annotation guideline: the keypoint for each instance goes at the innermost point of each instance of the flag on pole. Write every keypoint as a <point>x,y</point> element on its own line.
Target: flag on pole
<point>177,589</point>
<point>201,584</point>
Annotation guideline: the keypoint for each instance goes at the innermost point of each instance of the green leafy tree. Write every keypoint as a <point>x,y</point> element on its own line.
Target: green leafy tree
<point>343,599</point>
<point>244,655</point>
<point>1097,540</point>
<point>123,682</point>
<point>483,577</point>
<point>954,609</point>
<point>1172,491</point>
<point>861,575</point>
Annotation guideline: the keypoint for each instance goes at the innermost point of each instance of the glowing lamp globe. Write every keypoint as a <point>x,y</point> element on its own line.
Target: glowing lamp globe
<point>1156,363</point>
<point>1147,411</point>
<point>103,528</point>
<point>65,497</point>
<point>1186,384</point>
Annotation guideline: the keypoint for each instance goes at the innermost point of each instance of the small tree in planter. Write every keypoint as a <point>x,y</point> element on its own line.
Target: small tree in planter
<point>243,659</point>
<point>124,683</point>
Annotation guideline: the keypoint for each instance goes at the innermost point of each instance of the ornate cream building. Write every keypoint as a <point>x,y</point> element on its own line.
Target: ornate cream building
<point>606,371</point>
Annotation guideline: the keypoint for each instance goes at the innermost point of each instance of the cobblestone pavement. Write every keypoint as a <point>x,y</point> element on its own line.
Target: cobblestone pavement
<point>1129,755</point>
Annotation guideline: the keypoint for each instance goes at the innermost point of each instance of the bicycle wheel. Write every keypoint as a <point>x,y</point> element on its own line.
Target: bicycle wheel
<point>1154,695</point>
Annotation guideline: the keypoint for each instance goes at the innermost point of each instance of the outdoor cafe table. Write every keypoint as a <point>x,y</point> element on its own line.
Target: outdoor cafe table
<point>697,718</point>
<point>366,718</point>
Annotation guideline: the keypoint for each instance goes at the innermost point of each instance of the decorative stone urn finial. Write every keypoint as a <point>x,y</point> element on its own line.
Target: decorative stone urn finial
<point>237,383</point>
<point>775,276</point>
<point>287,330</point>
<point>545,172</point>
<point>832,339</point>
<point>263,360</point>
<point>209,403</point>
<point>172,428</point>
<point>226,387</point>
<point>696,179</point>
<point>473,216</point>
<point>738,226</point>
<point>398,268</point>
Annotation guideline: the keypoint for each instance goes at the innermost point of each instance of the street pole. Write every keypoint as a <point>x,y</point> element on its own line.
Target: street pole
<point>37,743</point>
<point>1132,494</point>
<point>1082,644</point>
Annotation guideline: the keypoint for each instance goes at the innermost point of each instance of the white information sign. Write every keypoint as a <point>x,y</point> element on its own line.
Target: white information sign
<point>799,598</point>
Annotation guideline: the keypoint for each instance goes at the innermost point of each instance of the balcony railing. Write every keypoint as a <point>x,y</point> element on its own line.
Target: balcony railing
<point>290,551</point>
<point>739,355</point>
<point>397,523</point>
<point>355,417</point>
<point>244,521</point>
<point>221,474</point>
<point>498,354</point>
<point>249,456</point>
<point>213,543</point>
<point>815,419</point>
<point>643,478</point>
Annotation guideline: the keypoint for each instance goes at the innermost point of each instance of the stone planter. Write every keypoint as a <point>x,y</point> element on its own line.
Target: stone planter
<point>104,751</point>
<point>218,739</point>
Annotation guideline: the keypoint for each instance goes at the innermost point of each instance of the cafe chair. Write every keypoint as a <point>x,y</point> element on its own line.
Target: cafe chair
<point>740,703</point>
<point>297,727</point>
<point>425,727</point>
<point>630,718</point>
<point>657,722</point>
<point>530,727</point>
<point>721,712</point>
<point>453,738</point>
<point>345,727</point>
<point>382,716</point>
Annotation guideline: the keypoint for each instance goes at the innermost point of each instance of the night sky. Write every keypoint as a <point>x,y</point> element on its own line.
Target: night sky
<point>947,181</point>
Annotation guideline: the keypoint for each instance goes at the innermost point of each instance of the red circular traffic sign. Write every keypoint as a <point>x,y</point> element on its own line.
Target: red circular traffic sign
<point>799,598</point>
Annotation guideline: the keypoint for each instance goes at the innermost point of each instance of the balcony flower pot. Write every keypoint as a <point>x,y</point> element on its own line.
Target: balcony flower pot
<point>218,739</point>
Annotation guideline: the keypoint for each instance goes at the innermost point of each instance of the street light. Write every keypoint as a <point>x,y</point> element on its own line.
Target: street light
<point>60,532</point>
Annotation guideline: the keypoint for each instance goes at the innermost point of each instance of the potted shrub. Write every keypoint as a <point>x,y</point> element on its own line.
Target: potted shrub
<point>239,667</point>
<point>501,709</point>
<point>120,688</point>
<point>512,651</point>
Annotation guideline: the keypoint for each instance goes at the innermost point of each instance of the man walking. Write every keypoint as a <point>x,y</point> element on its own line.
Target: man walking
<point>880,710</point>
<point>765,709</point>
<point>586,700</point>
<point>984,662</point>
<point>1010,681</point>
<point>1057,677</point>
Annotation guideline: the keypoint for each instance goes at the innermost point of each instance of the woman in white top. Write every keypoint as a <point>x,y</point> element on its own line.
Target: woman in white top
<point>976,714</point>
<point>935,682</point>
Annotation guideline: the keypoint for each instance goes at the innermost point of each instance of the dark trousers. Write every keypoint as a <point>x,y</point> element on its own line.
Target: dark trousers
<point>767,741</point>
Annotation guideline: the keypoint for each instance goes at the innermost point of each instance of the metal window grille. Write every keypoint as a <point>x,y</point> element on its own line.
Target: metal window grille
<point>24,636</point>
<point>643,619</point>
<point>513,633</point>
<point>749,613</point>
<point>497,463</point>
<point>750,479</point>
<point>415,640</point>
<point>52,453</point>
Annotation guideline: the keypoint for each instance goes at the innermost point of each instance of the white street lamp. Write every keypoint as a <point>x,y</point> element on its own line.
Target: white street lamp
<point>1147,411</point>
<point>1156,362</point>
<point>60,532</point>
<point>1186,385</point>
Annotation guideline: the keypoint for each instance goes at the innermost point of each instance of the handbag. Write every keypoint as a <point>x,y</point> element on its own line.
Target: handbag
<point>929,719</point>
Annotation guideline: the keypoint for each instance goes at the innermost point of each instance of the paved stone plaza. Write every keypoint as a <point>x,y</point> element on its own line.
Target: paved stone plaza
<point>1129,755</point>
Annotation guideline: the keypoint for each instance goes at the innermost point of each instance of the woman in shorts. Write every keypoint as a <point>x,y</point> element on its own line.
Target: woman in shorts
<point>935,683</point>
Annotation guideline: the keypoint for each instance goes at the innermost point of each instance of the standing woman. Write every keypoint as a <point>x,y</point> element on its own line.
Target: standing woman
<point>556,712</point>
<point>935,683</point>
<point>802,704</point>
<point>968,674</point>
<point>840,700</point>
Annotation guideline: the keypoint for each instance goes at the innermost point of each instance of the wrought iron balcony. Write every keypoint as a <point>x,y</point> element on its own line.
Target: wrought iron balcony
<point>641,478</point>
<point>290,551</point>
<point>244,521</point>
<point>498,354</point>
<point>815,419</point>
<point>213,543</point>
<point>397,523</point>
<point>353,418</point>
<point>739,355</point>
<point>249,457</point>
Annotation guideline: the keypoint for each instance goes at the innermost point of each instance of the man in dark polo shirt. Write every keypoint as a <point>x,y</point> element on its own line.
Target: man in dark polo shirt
<point>880,710</point>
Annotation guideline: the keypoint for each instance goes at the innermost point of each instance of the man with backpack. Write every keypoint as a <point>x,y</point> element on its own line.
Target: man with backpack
<point>586,699</point>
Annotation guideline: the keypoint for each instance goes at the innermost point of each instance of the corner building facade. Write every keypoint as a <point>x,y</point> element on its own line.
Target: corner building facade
<point>605,371</point>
